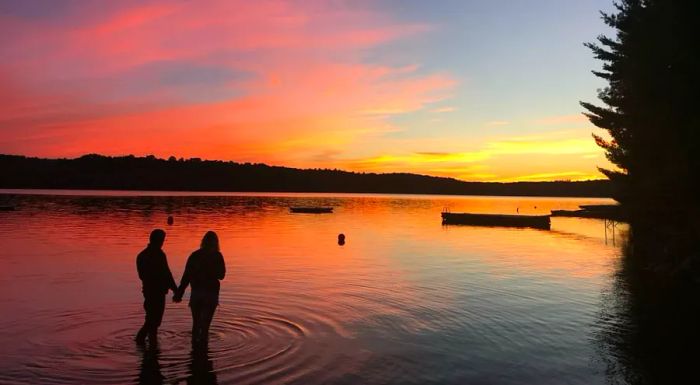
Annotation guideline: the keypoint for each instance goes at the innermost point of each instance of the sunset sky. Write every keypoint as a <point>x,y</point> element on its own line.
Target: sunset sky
<point>477,90</point>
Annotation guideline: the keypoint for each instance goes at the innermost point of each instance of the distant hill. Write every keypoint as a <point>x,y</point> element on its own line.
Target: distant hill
<point>151,173</point>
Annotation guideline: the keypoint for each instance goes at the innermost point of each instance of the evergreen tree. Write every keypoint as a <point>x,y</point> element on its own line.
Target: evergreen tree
<point>651,114</point>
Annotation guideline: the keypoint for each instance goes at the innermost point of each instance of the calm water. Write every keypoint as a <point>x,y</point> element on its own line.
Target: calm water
<point>405,300</point>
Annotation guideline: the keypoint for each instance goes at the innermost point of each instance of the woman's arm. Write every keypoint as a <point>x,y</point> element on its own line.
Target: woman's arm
<point>185,280</point>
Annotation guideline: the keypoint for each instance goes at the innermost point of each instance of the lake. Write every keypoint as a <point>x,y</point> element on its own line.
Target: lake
<point>405,300</point>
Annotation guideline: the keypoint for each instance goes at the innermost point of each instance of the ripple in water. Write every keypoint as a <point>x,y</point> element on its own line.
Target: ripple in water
<point>405,301</point>
<point>246,345</point>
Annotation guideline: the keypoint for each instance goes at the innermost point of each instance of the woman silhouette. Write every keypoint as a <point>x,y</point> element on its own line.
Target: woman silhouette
<point>205,267</point>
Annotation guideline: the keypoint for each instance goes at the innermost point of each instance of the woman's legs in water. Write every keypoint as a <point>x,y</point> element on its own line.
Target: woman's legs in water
<point>202,314</point>
<point>195,308</point>
<point>207,315</point>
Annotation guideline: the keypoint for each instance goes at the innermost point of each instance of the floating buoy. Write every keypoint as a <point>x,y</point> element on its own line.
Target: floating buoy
<point>341,239</point>
<point>170,219</point>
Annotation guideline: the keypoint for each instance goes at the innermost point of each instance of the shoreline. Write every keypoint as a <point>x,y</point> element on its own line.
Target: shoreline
<point>195,193</point>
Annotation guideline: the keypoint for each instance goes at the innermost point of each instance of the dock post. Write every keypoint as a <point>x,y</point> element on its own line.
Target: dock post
<point>612,225</point>
<point>605,227</point>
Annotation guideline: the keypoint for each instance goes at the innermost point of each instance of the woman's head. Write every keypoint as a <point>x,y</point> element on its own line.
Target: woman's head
<point>210,242</point>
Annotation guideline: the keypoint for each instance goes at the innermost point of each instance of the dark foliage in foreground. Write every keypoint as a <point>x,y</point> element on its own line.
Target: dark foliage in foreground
<point>150,173</point>
<point>650,110</point>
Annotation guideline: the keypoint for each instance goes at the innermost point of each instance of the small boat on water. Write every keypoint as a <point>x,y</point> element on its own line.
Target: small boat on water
<point>534,221</point>
<point>311,210</point>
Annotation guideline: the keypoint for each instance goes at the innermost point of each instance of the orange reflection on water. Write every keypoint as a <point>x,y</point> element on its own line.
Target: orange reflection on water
<point>400,275</point>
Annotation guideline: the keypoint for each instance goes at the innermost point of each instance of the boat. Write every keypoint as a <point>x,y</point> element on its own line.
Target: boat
<point>533,221</point>
<point>311,210</point>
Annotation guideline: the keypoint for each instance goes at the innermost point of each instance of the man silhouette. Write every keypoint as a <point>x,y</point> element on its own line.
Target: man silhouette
<point>152,266</point>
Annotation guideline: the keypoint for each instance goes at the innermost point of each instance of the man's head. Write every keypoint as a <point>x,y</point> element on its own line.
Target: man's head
<point>157,238</point>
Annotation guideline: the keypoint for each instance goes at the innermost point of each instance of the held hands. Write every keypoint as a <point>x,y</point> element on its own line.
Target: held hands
<point>177,296</point>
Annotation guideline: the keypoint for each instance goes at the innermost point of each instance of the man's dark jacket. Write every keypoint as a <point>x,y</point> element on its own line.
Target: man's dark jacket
<point>154,272</point>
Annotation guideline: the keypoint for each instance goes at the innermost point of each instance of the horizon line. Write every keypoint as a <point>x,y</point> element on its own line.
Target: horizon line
<point>300,168</point>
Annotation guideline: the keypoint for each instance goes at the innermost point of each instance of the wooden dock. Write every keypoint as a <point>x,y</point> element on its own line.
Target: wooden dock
<point>607,212</point>
<point>495,220</point>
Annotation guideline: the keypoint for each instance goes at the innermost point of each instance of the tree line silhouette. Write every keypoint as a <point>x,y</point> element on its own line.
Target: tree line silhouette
<point>151,173</point>
<point>650,110</point>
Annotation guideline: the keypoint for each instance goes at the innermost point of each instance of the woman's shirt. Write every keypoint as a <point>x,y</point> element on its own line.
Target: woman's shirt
<point>203,271</point>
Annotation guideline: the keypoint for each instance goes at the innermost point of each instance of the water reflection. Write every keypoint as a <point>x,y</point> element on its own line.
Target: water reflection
<point>201,367</point>
<point>650,325</point>
<point>150,365</point>
<point>404,300</point>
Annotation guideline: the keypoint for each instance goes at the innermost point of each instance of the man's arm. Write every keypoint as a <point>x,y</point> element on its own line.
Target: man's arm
<point>169,275</point>
<point>184,281</point>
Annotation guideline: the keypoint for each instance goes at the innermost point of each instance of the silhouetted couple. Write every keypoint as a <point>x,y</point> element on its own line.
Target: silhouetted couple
<point>204,268</point>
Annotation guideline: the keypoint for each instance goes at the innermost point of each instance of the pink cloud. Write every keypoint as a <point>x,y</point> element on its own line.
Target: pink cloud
<point>233,80</point>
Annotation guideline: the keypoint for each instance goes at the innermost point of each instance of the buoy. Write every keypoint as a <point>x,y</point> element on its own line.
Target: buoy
<point>341,239</point>
<point>170,219</point>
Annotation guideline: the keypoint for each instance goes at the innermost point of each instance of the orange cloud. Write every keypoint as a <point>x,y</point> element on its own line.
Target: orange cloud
<point>264,81</point>
<point>544,146</point>
<point>554,156</point>
<point>440,110</point>
<point>258,81</point>
<point>568,175</point>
